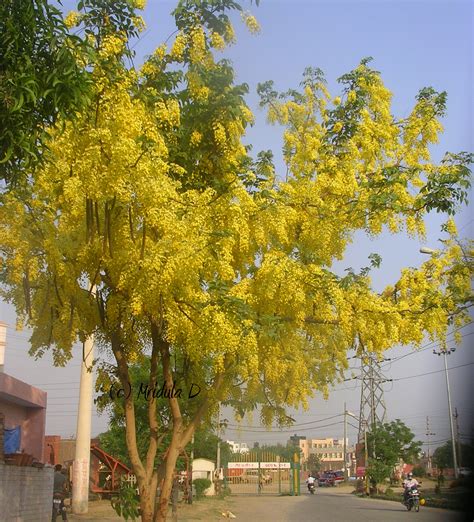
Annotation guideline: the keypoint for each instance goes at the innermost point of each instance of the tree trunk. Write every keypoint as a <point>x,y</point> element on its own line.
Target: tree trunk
<point>146,505</point>
<point>167,482</point>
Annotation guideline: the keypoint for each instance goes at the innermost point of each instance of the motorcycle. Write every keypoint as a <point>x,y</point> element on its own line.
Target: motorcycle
<point>59,509</point>
<point>311,488</point>
<point>412,499</point>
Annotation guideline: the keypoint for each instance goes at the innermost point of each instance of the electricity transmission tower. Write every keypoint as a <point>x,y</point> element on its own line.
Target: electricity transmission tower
<point>372,404</point>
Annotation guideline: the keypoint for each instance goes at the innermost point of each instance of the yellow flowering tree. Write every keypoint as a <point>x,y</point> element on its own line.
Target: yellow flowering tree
<point>152,228</point>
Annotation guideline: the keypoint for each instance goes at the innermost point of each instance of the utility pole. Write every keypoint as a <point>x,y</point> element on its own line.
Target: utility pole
<point>429,434</point>
<point>80,477</point>
<point>445,354</point>
<point>455,461</point>
<point>456,416</point>
<point>366,450</point>
<point>218,462</point>
<point>345,443</point>
<point>190,478</point>
<point>218,459</point>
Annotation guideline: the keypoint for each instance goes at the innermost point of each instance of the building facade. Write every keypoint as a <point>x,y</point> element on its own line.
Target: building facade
<point>24,408</point>
<point>330,452</point>
<point>238,447</point>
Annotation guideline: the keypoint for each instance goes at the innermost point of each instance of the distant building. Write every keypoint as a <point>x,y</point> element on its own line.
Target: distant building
<point>295,439</point>
<point>238,447</point>
<point>330,452</point>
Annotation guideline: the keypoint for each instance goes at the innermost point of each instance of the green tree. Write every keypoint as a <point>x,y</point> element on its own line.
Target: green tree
<point>41,81</point>
<point>387,444</point>
<point>205,446</point>
<point>314,462</point>
<point>443,456</point>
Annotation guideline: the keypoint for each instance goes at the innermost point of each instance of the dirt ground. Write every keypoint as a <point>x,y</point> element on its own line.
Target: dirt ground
<point>211,509</point>
<point>204,510</point>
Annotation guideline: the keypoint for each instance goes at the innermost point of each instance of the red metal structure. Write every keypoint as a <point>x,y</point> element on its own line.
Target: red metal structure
<point>106,472</point>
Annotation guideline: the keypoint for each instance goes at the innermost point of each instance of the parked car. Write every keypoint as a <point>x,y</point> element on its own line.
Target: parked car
<point>338,477</point>
<point>327,480</point>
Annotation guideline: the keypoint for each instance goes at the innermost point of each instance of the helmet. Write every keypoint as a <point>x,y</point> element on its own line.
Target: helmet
<point>410,475</point>
<point>422,501</point>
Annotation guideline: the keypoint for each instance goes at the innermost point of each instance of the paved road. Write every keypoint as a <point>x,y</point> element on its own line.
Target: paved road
<point>328,506</point>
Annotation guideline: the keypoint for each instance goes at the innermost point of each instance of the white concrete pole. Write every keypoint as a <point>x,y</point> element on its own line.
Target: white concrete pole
<point>80,477</point>
<point>345,443</point>
<point>218,459</point>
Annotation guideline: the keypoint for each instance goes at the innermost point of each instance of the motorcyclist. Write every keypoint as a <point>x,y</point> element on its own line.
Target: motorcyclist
<point>408,483</point>
<point>60,487</point>
<point>310,481</point>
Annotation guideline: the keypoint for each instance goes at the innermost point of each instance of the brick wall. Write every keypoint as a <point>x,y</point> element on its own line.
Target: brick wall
<point>26,493</point>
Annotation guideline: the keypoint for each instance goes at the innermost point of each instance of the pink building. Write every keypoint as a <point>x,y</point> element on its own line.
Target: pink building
<point>25,406</point>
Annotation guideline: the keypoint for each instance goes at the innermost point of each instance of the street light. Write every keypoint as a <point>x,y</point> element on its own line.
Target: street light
<point>346,413</point>
<point>429,251</point>
<point>445,353</point>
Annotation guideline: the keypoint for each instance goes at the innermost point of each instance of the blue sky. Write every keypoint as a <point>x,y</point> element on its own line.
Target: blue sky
<point>414,44</point>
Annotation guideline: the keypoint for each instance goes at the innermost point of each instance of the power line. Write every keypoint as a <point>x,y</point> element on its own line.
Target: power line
<point>293,425</point>
<point>430,373</point>
<point>315,428</point>
<point>429,345</point>
<point>465,225</point>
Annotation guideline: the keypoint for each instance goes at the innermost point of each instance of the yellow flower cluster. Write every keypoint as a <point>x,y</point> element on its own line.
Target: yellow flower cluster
<point>198,91</point>
<point>220,136</point>
<point>229,35</point>
<point>217,41</point>
<point>197,47</point>
<point>160,52</point>
<point>251,23</point>
<point>139,4</point>
<point>196,138</point>
<point>351,96</point>
<point>72,19</point>
<point>168,112</point>
<point>451,228</point>
<point>148,69</point>
<point>247,114</point>
<point>178,47</point>
<point>139,23</point>
<point>112,45</point>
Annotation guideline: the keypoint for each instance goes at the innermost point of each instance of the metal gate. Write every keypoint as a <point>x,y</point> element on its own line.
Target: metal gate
<point>261,473</point>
